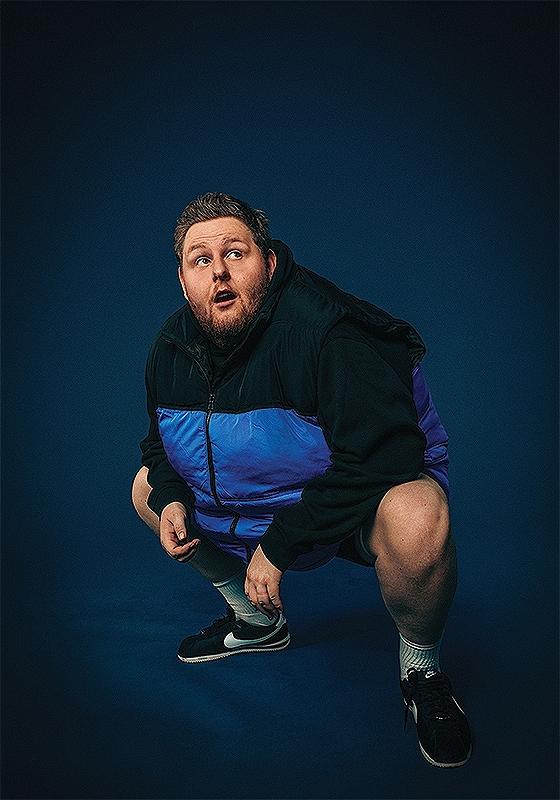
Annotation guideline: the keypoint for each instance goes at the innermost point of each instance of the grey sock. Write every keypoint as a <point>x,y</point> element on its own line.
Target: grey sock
<point>227,574</point>
<point>233,590</point>
<point>418,656</point>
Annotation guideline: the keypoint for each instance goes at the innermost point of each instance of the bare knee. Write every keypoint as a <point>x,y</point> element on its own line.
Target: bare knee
<point>412,527</point>
<point>140,492</point>
<point>140,489</point>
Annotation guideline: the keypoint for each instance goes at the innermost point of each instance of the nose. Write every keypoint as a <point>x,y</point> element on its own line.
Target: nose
<point>220,270</point>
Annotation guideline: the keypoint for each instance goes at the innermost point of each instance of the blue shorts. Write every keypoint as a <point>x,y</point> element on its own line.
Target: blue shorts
<point>351,549</point>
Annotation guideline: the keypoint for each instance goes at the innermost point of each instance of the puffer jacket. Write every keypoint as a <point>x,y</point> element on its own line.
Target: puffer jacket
<point>293,442</point>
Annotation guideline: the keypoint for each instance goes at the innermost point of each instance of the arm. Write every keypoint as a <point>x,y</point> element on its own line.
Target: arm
<point>369,420</point>
<point>167,485</point>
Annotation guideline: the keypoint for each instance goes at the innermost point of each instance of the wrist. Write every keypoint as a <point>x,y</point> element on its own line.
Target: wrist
<point>174,503</point>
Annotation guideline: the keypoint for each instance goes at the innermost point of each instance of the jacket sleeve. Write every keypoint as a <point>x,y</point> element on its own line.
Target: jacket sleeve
<point>368,417</point>
<point>167,485</point>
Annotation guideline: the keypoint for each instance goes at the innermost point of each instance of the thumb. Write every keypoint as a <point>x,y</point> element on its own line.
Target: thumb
<point>180,530</point>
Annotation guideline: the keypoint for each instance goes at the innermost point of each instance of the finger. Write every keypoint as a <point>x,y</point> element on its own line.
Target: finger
<point>180,551</point>
<point>252,593</point>
<point>188,543</point>
<point>169,533</point>
<point>167,551</point>
<point>180,529</point>
<point>183,556</point>
<point>165,527</point>
<point>263,600</point>
<point>175,533</point>
<point>185,552</point>
<point>174,520</point>
<point>275,600</point>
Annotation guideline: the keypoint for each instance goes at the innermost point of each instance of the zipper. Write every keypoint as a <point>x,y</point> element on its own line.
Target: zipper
<point>211,469</point>
<point>235,520</point>
<point>209,411</point>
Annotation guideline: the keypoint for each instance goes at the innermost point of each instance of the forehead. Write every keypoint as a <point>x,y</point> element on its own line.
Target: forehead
<point>213,231</point>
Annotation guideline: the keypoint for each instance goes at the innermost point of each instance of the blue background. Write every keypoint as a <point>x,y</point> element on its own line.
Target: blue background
<point>408,153</point>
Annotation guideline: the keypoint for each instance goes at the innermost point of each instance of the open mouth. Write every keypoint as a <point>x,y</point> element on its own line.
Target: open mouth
<point>224,298</point>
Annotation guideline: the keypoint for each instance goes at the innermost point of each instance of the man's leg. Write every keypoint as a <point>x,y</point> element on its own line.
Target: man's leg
<point>414,555</point>
<point>227,574</point>
<point>415,560</point>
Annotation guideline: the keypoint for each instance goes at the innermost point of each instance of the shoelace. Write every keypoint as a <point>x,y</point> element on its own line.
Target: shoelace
<point>241,625</point>
<point>216,624</point>
<point>433,693</point>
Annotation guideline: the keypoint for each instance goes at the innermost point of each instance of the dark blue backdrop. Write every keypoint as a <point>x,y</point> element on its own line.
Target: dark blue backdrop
<point>407,152</point>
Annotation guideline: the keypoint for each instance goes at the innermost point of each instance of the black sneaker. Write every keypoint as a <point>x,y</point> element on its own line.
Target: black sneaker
<point>227,636</point>
<point>441,724</point>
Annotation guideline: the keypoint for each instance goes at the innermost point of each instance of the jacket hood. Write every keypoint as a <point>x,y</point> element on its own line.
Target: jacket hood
<point>183,328</point>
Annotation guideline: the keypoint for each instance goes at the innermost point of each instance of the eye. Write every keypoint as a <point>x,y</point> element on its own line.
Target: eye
<point>201,258</point>
<point>236,253</point>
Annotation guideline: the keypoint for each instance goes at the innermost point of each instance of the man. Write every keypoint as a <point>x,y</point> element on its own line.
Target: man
<point>290,424</point>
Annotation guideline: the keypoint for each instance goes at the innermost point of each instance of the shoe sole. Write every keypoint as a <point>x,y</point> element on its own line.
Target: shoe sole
<point>264,648</point>
<point>427,756</point>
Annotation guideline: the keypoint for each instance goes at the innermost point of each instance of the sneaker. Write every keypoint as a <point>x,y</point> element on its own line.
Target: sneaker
<point>441,724</point>
<point>227,636</point>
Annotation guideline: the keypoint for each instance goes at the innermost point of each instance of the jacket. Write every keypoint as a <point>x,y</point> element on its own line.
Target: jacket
<point>320,409</point>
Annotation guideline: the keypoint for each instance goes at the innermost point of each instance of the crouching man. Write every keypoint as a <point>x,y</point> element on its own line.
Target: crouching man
<point>290,424</point>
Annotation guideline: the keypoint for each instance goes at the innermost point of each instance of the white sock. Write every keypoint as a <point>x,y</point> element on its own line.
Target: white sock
<point>418,656</point>
<point>233,591</point>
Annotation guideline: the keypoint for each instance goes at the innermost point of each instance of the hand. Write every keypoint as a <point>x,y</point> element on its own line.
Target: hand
<point>173,535</point>
<point>262,583</point>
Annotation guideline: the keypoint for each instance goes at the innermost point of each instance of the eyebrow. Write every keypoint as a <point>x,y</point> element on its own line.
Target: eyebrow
<point>202,245</point>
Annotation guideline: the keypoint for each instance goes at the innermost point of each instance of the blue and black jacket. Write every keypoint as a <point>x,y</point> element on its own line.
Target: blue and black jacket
<point>294,439</point>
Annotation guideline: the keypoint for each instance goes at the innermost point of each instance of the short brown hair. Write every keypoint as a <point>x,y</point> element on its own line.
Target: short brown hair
<point>214,205</point>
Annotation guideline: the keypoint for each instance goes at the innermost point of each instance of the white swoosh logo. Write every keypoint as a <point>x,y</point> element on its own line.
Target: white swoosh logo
<point>231,642</point>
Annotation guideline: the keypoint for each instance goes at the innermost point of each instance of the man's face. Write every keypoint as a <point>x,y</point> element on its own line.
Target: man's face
<point>224,276</point>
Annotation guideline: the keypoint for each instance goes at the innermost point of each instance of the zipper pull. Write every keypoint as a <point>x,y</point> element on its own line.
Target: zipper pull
<point>211,402</point>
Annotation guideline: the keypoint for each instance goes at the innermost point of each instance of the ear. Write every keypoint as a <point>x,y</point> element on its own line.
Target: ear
<point>182,282</point>
<point>271,263</point>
